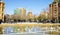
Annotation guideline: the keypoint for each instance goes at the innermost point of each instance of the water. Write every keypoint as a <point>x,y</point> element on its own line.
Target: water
<point>26,34</point>
<point>35,30</point>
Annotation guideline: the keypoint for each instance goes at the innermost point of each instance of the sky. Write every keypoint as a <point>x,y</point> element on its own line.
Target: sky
<point>36,6</point>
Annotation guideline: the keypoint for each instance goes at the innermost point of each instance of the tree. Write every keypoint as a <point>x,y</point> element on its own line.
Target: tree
<point>30,20</point>
<point>39,18</point>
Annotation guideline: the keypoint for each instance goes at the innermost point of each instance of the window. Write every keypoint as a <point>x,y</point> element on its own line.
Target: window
<point>55,10</point>
<point>55,4</point>
<point>59,4</point>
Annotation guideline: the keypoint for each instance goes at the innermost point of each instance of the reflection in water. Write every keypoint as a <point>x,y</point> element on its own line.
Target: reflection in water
<point>27,29</point>
<point>38,29</point>
<point>35,29</point>
<point>8,30</point>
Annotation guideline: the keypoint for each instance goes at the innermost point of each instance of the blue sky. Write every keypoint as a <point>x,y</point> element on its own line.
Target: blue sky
<point>36,6</point>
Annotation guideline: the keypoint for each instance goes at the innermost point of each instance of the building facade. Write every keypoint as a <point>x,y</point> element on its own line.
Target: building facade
<point>1,10</point>
<point>29,16</point>
<point>17,11</point>
<point>54,10</point>
<point>23,14</point>
<point>20,13</point>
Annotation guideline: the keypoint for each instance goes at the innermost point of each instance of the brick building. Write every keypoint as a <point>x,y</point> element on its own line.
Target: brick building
<point>54,10</point>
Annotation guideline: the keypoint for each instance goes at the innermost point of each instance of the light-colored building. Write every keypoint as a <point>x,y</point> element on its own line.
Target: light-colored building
<point>17,11</point>
<point>20,13</point>
<point>29,16</point>
<point>23,14</point>
<point>1,10</point>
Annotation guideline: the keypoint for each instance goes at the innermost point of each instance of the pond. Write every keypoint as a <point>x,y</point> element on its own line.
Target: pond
<point>35,30</point>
